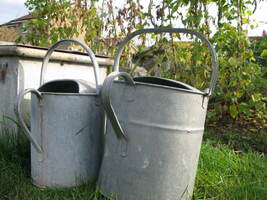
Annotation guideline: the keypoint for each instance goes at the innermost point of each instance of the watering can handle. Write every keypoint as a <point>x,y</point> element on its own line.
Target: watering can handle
<point>90,53</point>
<point>21,120</point>
<point>215,63</point>
<point>105,98</point>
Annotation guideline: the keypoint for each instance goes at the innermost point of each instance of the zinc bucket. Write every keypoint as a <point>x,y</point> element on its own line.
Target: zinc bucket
<point>153,133</point>
<point>66,128</point>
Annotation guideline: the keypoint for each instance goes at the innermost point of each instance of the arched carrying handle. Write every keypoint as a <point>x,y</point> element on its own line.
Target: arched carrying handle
<point>18,112</point>
<point>215,64</point>
<point>85,47</point>
<point>105,98</point>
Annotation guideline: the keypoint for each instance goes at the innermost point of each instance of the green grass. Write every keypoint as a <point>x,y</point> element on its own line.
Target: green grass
<point>227,174</point>
<point>222,174</point>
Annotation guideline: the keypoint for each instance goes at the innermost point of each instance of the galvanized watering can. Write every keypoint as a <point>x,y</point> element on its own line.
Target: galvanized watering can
<point>66,124</point>
<point>154,132</point>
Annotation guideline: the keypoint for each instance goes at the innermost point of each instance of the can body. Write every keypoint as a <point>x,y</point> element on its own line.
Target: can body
<point>68,127</point>
<point>164,128</point>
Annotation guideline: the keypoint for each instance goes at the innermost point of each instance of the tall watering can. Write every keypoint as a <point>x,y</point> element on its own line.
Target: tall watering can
<point>66,122</point>
<point>154,132</point>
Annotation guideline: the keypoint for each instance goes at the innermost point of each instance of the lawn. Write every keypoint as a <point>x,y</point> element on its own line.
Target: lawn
<point>222,174</point>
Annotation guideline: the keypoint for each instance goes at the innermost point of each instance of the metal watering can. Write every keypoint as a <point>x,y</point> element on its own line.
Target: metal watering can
<point>66,124</point>
<point>159,125</point>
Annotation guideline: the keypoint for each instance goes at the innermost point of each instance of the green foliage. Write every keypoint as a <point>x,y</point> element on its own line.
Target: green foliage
<point>260,50</point>
<point>237,92</point>
<point>55,20</point>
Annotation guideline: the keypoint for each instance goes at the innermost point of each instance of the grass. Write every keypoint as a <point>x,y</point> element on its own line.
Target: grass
<point>227,174</point>
<point>222,174</point>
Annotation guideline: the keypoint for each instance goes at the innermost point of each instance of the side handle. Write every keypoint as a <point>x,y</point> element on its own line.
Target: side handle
<point>105,98</point>
<point>18,113</point>
<point>90,53</point>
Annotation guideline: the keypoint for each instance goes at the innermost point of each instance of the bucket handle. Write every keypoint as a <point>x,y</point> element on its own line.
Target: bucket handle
<point>215,63</point>
<point>18,113</point>
<point>90,53</point>
<point>105,98</point>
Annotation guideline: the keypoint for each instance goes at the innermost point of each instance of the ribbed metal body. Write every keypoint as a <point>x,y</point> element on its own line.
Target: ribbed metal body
<point>164,128</point>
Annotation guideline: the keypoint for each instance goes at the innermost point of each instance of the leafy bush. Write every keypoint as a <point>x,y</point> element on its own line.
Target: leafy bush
<point>238,92</point>
<point>260,50</point>
<point>55,20</point>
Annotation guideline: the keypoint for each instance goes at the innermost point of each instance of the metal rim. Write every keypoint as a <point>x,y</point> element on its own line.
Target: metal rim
<point>162,86</point>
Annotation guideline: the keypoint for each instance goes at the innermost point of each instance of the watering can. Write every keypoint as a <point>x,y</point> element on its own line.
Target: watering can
<point>153,133</point>
<point>66,124</point>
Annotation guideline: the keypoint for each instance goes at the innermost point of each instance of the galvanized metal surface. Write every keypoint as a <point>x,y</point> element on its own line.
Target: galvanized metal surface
<point>163,130</point>
<point>24,68</point>
<point>159,132</point>
<point>66,132</point>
